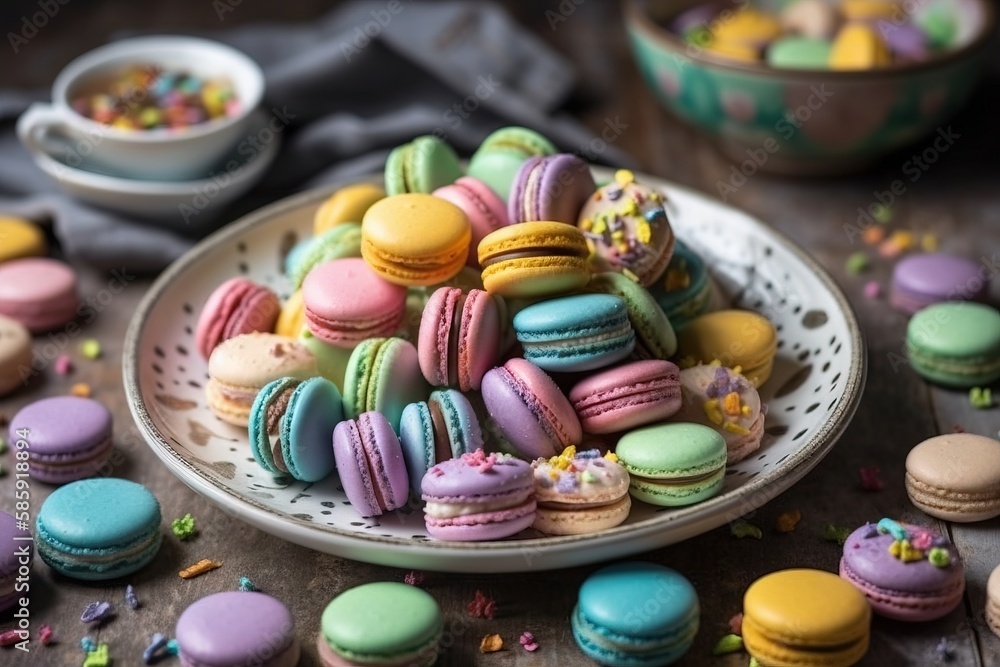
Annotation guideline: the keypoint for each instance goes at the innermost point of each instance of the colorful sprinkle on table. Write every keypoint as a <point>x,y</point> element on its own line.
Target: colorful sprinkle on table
<point>742,529</point>
<point>981,398</point>
<point>199,568</point>
<point>482,606</point>
<point>870,480</point>
<point>91,349</point>
<point>491,644</point>
<point>728,644</point>
<point>95,612</point>
<point>246,585</point>
<point>81,389</point>
<point>45,634</point>
<point>131,599</point>
<point>184,527</point>
<point>838,534</point>
<point>856,263</point>
<point>787,521</point>
<point>528,641</point>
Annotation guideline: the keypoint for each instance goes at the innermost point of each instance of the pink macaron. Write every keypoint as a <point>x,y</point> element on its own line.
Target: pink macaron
<point>483,207</point>
<point>346,302</point>
<point>528,411</point>
<point>459,337</point>
<point>627,396</point>
<point>478,497</point>
<point>370,464</point>
<point>237,306</point>
<point>40,293</point>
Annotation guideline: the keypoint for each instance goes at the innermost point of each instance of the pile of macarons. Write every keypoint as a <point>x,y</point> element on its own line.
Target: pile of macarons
<point>822,34</point>
<point>515,345</point>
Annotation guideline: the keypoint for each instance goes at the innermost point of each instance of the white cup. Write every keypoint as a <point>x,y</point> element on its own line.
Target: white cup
<point>161,154</point>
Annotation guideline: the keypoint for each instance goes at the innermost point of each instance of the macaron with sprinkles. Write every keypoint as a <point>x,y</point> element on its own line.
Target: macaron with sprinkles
<point>580,492</point>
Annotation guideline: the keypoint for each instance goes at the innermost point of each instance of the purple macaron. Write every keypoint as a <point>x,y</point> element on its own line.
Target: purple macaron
<point>908,42</point>
<point>922,280</point>
<point>551,188</point>
<point>15,560</point>
<point>370,464</point>
<point>68,437</point>
<point>237,628</point>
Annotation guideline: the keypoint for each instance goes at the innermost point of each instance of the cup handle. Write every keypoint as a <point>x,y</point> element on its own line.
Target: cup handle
<point>37,126</point>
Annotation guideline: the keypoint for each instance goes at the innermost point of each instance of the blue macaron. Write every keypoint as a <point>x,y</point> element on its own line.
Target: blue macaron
<point>303,414</point>
<point>97,529</point>
<point>575,333</point>
<point>685,290</point>
<point>443,427</point>
<point>636,614</point>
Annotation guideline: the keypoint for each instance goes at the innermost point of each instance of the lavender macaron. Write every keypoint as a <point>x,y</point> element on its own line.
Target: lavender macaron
<point>15,560</point>
<point>923,280</point>
<point>68,437</point>
<point>235,629</point>
<point>550,188</point>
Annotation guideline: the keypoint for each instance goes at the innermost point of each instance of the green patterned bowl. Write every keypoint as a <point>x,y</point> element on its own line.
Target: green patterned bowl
<point>801,121</point>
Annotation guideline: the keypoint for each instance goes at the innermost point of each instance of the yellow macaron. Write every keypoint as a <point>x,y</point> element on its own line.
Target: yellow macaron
<point>734,338</point>
<point>533,259</point>
<point>858,46</point>
<point>347,204</point>
<point>805,617</point>
<point>415,239</point>
<point>747,26</point>
<point>292,318</point>
<point>871,10</point>
<point>20,238</point>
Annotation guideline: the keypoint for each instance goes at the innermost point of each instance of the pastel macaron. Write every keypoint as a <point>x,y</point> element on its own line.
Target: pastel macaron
<point>237,306</point>
<point>98,529</point>
<point>339,242</point>
<point>422,165</point>
<point>738,339</point>
<point>483,207</point>
<point>292,318</point>
<point>478,497</point>
<point>654,333</point>
<point>805,617</point>
<point>956,344</point>
<point>21,238</point>
<point>302,414</point>
<point>15,355</point>
<point>551,187</point>
<point>459,337</point>
<point>444,426</point>
<point>580,492</point>
<point>673,464</point>
<point>370,464</point>
<point>237,628</point>
<point>500,156</point>
<point>415,239</point>
<point>859,46</point>
<point>685,289</point>
<point>240,367</point>
<point>384,623</point>
<point>908,573</point>
<point>348,204</point>
<point>68,437</point>
<point>575,333</point>
<point>383,374</point>
<point>955,477</point>
<point>993,601</point>
<point>38,292</point>
<point>636,614</point>
<point>16,553</point>
<point>532,415</point>
<point>627,396</point>
<point>534,259</point>
<point>346,302</point>
<point>925,279</point>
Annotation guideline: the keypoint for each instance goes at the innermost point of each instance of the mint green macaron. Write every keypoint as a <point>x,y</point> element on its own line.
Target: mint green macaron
<point>381,623</point>
<point>955,343</point>
<point>383,375</point>
<point>655,335</point>
<point>423,165</point>
<point>800,53</point>
<point>673,464</point>
<point>339,242</point>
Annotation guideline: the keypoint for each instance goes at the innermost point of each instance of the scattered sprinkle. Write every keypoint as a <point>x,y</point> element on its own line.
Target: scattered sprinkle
<point>414,578</point>
<point>906,552</point>
<point>894,528</point>
<point>882,214</point>
<point>99,657</point>
<point>981,398</point>
<point>527,640</point>
<point>45,634</point>
<point>184,527</point>
<point>482,606</point>
<point>95,612</point>
<point>742,529</point>
<point>873,235</point>
<point>872,290</point>
<point>63,365</point>
<point>10,637</point>
<point>88,645</point>
<point>736,624</point>
<point>939,557</point>
<point>130,597</point>
<point>929,243</point>
<point>172,647</point>
<point>870,480</point>
<point>856,263</point>
<point>81,389</point>
<point>199,568</point>
<point>155,650</point>
<point>491,644</point>
<point>943,650</point>
<point>246,585</point>
<point>957,428</point>
<point>728,644</point>
<point>787,521</point>
<point>837,534</point>
<point>754,663</point>
<point>91,349</point>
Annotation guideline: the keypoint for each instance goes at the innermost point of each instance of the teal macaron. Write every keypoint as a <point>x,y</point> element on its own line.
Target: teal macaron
<point>383,374</point>
<point>383,623</point>
<point>636,614</point>
<point>98,529</point>
<point>339,242</point>
<point>422,165</point>
<point>685,290</point>
<point>655,337</point>
<point>443,427</point>
<point>955,343</point>
<point>673,464</point>
<point>303,414</point>
<point>500,156</point>
<point>575,333</point>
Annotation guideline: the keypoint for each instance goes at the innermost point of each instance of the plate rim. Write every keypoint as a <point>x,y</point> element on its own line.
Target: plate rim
<point>349,544</point>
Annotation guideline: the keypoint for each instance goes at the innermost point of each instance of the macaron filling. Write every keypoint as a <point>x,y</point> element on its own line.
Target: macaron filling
<point>82,560</point>
<point>439,508</point>
<point>530,253</point>
<point>647,647</point>
<point>80,460</point>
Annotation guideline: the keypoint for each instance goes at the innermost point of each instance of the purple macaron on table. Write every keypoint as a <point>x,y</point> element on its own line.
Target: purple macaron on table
<point>922,280</point>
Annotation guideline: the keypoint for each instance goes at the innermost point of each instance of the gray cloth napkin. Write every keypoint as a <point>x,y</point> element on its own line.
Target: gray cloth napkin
<point>352,85</point>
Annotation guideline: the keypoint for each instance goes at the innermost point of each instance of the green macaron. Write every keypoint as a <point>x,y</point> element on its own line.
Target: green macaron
<point>383,374</point>
<point>800,53</point>
<point>339,242</point>
<point>500,156</point>
<point>673,464</point>
<point>955,343</point>
<point>423,165</point>
<point>655,336</point>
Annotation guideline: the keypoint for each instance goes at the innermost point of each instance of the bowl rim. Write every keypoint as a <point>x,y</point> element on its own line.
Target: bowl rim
<point>637,19</point>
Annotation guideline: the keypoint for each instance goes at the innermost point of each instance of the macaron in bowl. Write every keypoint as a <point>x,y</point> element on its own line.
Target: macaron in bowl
<point>422,165</point>
<point>69,437</point>
<point>654,333</point>
<point>955,477</point>
<point>383,375</point>
<point>579,493</point>
<point>627,396</point>
<point>443,427</point>
<point>15,355</point>
<point>738,339</point>
<point>551,187</point>
<point>348,204</point>
<point>237,306</point>
<point>370,464</point>
<point>339,242</point>
<point>500,156</point>
<point>685,290</point>
<point>21,238</point>
<point>956,344</point>
<point>483,207</point>
<point>459,338</point>
<point>534,259</point>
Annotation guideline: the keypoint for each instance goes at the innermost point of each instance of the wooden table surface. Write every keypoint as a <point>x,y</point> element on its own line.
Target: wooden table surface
<point>957,199</point>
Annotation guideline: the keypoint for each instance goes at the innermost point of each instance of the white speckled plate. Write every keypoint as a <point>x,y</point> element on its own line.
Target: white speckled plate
<point>816,385</point>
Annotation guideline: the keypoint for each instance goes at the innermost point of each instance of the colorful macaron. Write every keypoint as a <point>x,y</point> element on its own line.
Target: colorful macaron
<point>526,407</point>
<point>459,338</point>
<point>237,306</point>
<point>575,333</point>
<point>444,426</point>
<point>956,344</point>
<point>302,414</point>
<point>722,399</point>
<point>382,623</point>
<point>654,334</point>
<point>15,355</point>
<point>673,464</point>
<point>907,572</point>
<point>478,497</point>
<point>240,367</point>
<point>550,187</point>
<point>97,529</point>
<point>921,280</point>
<point>739,339</point>
<point>500,156</point>
<point>16,553</point>
<point>21,238</point>
<point>40,293</point>
<point>627,229</point>
<point>627,396</point>
<point>422,165</point>
<point>955,477</point>
<point>383,374</point>
<point>636,614</point>
<point>235,629</point>
<point>805,617</point>
<point>415,239</point>
<point>685,290</point>
<point>348,204</point>
<point>534,259</point>
<point>484,209</point>
<point>69,437</point>
<point>370,464</point>
<point>339,242</point>
<point>580,493</point>
<point>331,360</point>
<point>292,318</point>
<point>993,601</point>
